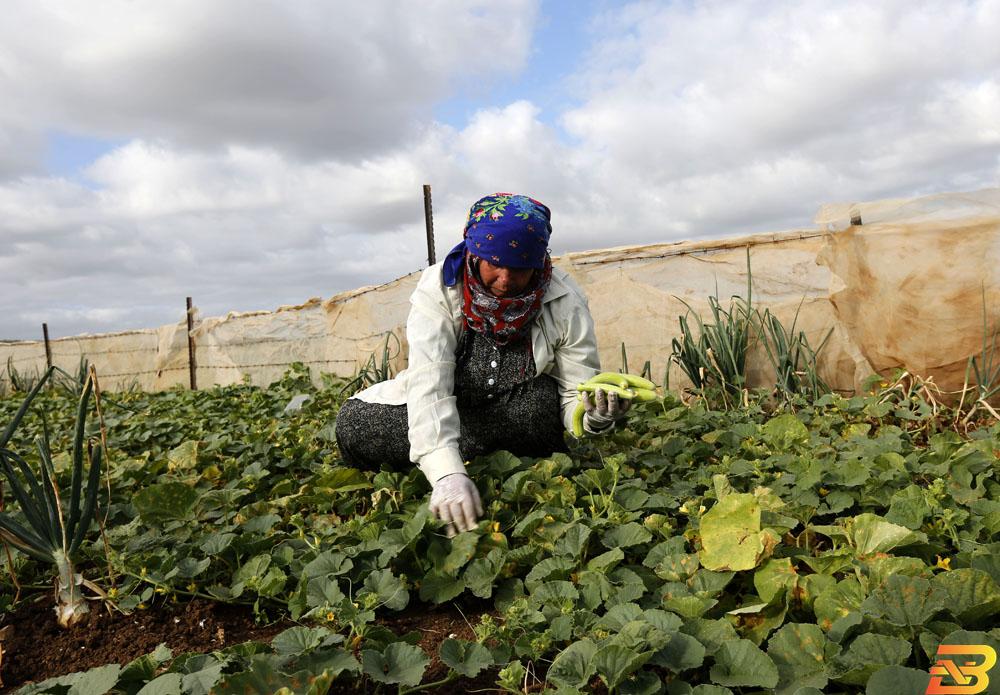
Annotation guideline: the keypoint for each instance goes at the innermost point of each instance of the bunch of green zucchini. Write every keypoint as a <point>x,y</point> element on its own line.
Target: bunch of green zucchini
<point>627,386</point>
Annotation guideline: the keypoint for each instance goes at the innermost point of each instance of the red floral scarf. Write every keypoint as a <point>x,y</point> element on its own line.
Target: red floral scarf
<point>502,319</point>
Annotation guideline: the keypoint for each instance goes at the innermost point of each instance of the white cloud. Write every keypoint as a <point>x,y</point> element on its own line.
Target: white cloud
<point>318,78</point>
<point>690,120</point>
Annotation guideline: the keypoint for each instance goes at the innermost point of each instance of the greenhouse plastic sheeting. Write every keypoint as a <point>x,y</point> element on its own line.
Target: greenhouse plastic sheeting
<point>897,284</point>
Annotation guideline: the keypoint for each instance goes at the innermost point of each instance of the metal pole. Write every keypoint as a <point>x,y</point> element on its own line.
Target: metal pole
<point>48,347</point>
<point>429,222</point>
<point>192,364</point>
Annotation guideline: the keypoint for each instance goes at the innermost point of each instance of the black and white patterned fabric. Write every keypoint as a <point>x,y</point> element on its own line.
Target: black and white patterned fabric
<point>502,404</point>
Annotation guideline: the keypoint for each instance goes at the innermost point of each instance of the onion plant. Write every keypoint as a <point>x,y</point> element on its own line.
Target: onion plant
<point>374,371</point>
<point>717,354</point>
<point>50,530</point>
<point>792,357</point>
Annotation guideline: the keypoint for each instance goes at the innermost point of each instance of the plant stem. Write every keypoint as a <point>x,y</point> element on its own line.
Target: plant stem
<point>452,675</point>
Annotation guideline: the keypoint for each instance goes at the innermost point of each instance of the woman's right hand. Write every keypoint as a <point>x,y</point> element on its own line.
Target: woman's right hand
<point>455,501</point>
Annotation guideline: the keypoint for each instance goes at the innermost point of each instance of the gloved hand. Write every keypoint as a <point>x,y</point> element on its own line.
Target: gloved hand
<point>455,501</point>
<point>604,410</point>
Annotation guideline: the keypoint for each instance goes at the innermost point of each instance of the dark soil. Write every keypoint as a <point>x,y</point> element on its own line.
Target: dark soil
<point>34,648</point>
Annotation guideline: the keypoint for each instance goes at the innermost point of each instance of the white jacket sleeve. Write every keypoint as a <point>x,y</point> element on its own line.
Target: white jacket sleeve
<point>576,358</point>
<point>432,408</point>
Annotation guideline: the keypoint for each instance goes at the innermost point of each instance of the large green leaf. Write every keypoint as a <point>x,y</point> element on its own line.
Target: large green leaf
<point>399,663</point>
<point>466,658</point>
<point>905,601</point>
<point>480,574</point>
<point>897,680</point>
<point>614,663</point>
<point>574,665</point>
<point>741,664</point>
<point>801,653</point>
<point>167,684</point>
<point>866,655</point>
<point>838,602</point>
<point>390,590</point>
<point>972,594</point>
<point>871,534</point>
<point>438,587</point>
<point>299,640</point>
<point>730,534</point>
<point>626,536</point>
<point>96,681</point>
<point>784,432</point>
<point>683,652</point>
<point>165,502</point>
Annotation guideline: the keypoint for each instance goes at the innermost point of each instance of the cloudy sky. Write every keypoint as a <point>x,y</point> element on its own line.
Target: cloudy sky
<point>252,153</point>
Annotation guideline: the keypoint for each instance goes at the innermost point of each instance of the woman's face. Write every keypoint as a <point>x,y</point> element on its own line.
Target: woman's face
<point>502,281</point>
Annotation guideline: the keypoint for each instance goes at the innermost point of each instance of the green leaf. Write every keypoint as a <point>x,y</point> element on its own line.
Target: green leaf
<point>908,507</point>
<point>217,543</point>
<point>866,655</point>
<point>615,663</point>
<point>711,633</point>
<point>905,601</point>
<point>801,653</point>
<point>188,568</point>
<point>838,602</point>
<point>327,563</point>
<point>784,432</point>
<point>323,591</point>
<point>550,568</point>
<point>898,680</point>
<point>870,533</point>
<point>390,590</point>
<point>741,663</point>
<point>481,573</point>
<point>202,681</point>
<point>774,577</point>
<point>626,536</point>
<point>263,678</point>
<point>641,683</point>
<point>463,549</point>
<point>972,594</point>
<point>466,658</point>
<point>344,480</point>
<point>400,663</point>
<point>143,668</point>
<point>438,587</point>
<point>605,562</point>
<point>299,640</point>
<point>96,681</point>
<point>165,502</point>
<point>683,652</point>
<point>183,457</point>
<point>677,567</point>
<point>730,534</point>
<point>167,684</point>
<point>573,542</point>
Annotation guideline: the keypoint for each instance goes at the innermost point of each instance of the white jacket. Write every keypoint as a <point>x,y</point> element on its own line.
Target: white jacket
<point>563,343</point>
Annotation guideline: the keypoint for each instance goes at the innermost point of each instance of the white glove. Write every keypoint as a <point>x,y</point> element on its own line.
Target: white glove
<point>604,410</point>
<point>455,501</point>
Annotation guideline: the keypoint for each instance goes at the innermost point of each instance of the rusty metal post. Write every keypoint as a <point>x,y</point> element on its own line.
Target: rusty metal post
<point>192,364</point>
<point>48,347</point>
<point>429,222</point>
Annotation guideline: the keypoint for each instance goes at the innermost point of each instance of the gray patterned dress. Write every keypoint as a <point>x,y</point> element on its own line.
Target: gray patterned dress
<point>502,404</point>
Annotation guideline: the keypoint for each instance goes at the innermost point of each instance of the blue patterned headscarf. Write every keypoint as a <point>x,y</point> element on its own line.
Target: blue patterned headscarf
<point>505,229</point>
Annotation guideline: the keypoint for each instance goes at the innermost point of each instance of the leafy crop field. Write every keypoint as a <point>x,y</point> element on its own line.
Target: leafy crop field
<point>825,548</point>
